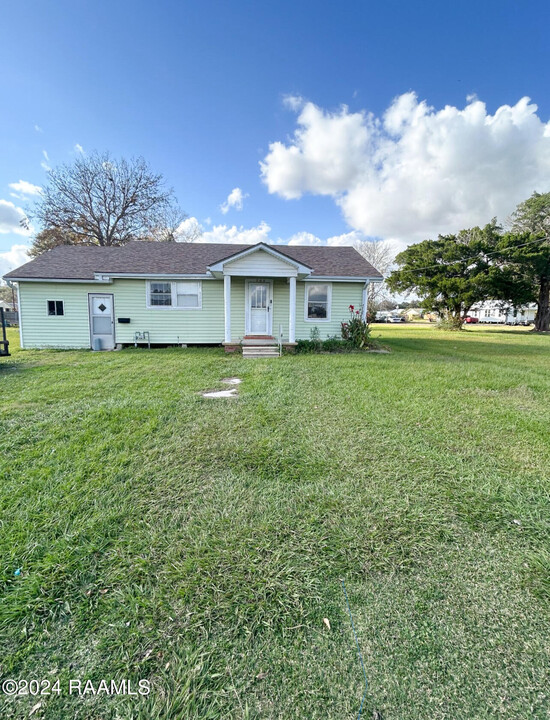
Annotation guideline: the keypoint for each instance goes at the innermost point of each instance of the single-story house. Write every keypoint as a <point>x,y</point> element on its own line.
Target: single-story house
<point>187,293</point>
<point>495,311</point>
<point>413,313</point>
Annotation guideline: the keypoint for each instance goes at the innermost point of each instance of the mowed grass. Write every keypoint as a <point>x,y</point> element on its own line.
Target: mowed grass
<point>200,543</point>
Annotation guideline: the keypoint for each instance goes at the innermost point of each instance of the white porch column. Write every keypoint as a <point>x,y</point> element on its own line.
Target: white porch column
<point>227,306</point>
<point>365,302</point>
<point>292,310</point>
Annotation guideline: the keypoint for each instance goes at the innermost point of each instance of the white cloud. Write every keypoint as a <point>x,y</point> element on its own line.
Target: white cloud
<point>13,258</point>
<point>238,235</point>
<point>79,149</point>
<point>25,188</point>
<point>415,171</point>
<point>45,163</point>
<point>234,200</point>
<point>260,233</point>
<point>38,129</point>
<point>293,102</point>
<point>228,233</point>
<point>10,218</point>
<point>307,238</point>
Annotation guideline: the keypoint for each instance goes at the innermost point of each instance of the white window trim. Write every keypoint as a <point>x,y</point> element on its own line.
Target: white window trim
<point>55,314</point>
<point>329,303</point>
<point>173,288</point>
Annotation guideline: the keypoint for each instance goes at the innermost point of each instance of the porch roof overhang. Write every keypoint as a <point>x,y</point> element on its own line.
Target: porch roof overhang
<point>287,267</point>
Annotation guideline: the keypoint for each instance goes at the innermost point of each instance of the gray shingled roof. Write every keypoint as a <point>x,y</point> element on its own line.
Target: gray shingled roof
<point>80,263</point>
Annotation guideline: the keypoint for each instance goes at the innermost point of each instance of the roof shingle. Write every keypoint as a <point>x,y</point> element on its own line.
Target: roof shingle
<point>68,262</point>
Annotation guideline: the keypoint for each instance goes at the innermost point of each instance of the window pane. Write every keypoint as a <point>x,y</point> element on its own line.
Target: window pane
<point>161,299</point>
<point>316,310</point>
<point>317,305</point>
<point>188,288</point>
<point>188,301</point>
<point>188,294</point>
<point>101,305</point>
<point>101,325</point>
<point>258,297</point>
<point>158,287</point>
<point>55,307</point>
<point>317,293</point>
<point>160,293</point>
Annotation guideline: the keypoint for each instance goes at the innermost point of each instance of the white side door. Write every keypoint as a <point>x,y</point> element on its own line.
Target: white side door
<point>102,320</point>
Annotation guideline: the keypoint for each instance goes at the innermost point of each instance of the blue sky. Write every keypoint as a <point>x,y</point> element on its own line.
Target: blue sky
<point>202,90</point>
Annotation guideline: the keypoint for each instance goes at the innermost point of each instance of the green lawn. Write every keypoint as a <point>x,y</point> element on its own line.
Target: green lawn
<point>200,543</point>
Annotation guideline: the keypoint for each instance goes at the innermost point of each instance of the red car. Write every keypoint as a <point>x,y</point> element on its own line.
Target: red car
<point>470,319</point>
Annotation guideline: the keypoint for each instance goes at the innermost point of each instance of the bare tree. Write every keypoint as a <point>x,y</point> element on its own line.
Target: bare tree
<point>102,201</point>
<point>380,254</point>
<point>174,227</point>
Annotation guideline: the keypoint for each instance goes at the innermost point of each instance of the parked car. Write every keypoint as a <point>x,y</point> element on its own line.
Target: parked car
<point>493,319</point>
<point>397,319</point>
<point>470,319</point>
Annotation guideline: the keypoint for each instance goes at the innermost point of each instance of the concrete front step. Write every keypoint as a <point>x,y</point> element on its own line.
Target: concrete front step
<point>259,341</point>
<point>260,351</point>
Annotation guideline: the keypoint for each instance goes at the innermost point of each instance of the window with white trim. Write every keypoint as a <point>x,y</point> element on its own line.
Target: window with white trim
<point>185,295</point>
<point>56,307</point>
<point>317,297</point>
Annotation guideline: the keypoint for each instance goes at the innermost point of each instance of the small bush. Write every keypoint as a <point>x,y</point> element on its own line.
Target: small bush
<point>335,344</point>
<point>314,344</point>
<point>449,323</point>
<point>355,336</point>
<point>306,346</point>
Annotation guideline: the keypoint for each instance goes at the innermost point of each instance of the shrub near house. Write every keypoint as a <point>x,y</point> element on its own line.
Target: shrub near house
<point>355,335</point>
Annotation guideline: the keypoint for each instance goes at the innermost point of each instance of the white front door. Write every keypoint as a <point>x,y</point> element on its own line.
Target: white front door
<point>259,309</point>
<point>102,320</point>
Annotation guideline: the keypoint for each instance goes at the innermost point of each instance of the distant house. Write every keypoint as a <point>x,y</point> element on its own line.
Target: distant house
<point>494,311</point>
<point>179,293</point>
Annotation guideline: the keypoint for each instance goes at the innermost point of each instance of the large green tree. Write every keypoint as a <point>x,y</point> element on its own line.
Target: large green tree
<point>449,274</point>
<point>525,254</point>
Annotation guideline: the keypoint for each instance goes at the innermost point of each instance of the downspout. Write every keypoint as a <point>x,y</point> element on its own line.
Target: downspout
<point>365,301</point>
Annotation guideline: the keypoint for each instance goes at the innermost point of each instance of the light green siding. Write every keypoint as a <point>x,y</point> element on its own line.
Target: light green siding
<point>280,306</point>
<point>165,325</point>
<point>344,294</point>
<point>169,325</point>
<point>72,330</point>
<point>237,308</point>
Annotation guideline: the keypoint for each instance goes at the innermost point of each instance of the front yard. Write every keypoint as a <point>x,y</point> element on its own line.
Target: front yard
<point>147,532</point>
